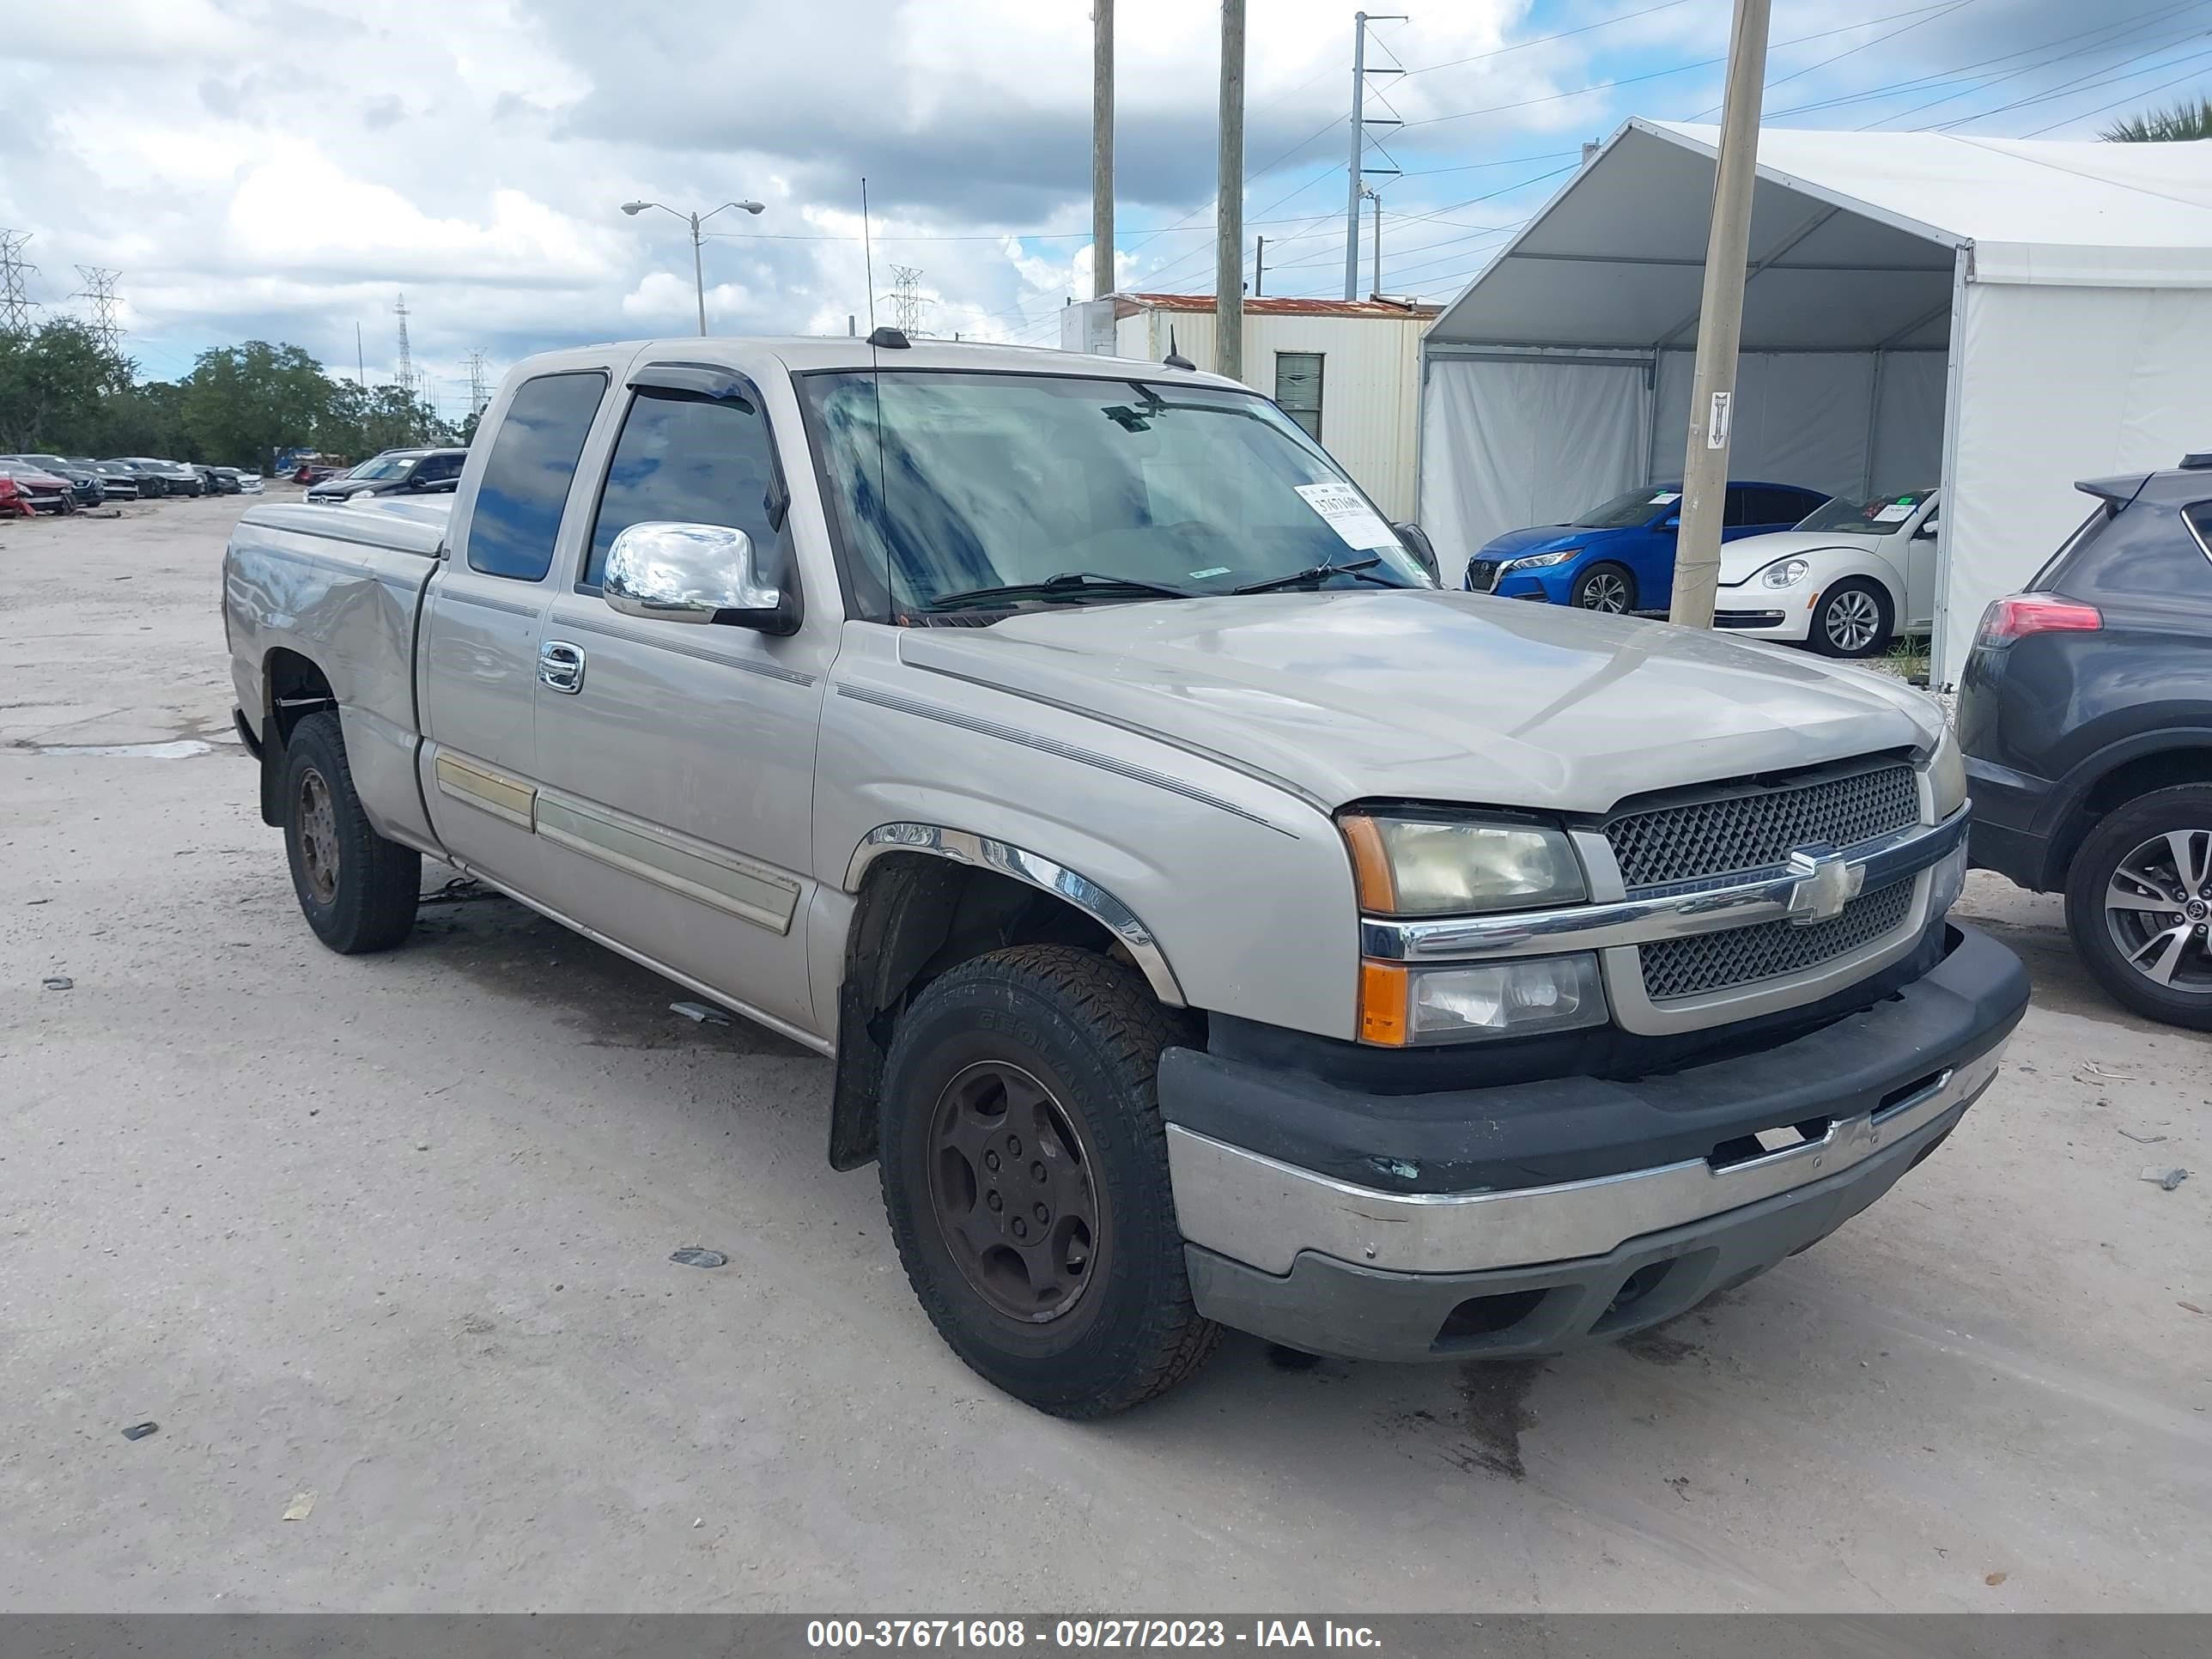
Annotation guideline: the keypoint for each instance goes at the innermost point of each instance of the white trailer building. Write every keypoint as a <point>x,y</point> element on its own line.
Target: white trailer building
<point>1999,316</point>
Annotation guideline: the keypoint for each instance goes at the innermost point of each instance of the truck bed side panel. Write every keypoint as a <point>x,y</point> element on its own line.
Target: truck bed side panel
<point>341,588</point>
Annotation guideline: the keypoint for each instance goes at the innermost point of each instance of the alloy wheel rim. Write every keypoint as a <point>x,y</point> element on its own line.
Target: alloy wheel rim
<point>1604,593</point>
<point>1012,1192</point>
<point>319,836</point>
<point>1852,619</point>
<point>2158,909</point>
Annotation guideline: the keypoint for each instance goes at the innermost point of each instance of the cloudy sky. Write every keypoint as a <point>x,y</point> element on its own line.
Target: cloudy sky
<point>286,170</point>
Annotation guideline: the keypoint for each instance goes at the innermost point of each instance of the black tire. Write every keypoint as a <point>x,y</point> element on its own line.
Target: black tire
<point>356,889</point>
<point>1843,615</point>
<point>1089,1031</point>
<point>1604,586</point>
<point>2100,868</point>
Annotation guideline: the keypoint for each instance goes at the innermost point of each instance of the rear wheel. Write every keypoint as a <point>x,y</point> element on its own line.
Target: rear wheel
<point>1608,587</point>
<point>1853,619</point>
<point>1025,1176</point>
<point>2139,905</point>
<point>356,889</point>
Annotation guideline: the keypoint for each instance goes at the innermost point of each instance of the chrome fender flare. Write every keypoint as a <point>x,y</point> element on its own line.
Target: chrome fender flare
<point>1034,870</point>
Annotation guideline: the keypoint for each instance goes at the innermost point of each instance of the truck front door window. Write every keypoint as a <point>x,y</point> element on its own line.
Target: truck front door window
<point>517,513</point>
<point>943,483</point>
<point>685,458</point>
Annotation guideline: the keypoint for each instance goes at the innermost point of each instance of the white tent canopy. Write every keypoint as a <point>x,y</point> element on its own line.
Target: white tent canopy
<point>2003,316</point>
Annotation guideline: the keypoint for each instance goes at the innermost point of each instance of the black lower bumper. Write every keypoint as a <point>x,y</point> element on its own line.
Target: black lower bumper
<point>1272,1253</point>
<point>2011,832</point>
<point>1324,1305</point>
<point>1579,1127</point>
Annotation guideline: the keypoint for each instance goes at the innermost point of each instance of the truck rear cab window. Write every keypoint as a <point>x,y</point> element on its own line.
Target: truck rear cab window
<point>517,516</point>
<point>2200,525</point>
<point>685,458</point>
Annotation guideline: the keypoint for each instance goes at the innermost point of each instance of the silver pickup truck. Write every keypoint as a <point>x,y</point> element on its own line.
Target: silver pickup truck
<point>1212,921</point>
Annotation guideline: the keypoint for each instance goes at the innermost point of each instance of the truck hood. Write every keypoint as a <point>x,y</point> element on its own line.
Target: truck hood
<point>1742,560</point>
<point>1427,695</point>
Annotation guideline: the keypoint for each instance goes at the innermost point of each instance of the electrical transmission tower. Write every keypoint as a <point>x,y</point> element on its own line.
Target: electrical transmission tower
<point>406,357</point>
<point>479,392</point>
<point>99,292</point>
<point>906,299</point>
<point>16,300</point>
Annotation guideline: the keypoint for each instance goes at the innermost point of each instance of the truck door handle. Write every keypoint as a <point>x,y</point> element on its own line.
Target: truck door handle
<point>561,666</point>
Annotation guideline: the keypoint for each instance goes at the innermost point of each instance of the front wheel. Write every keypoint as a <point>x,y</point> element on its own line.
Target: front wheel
<point>2139,905</point>
<point>1024,1171</point>
<point>356,889</point>
<point>1852,619</point>
<point>1607,587</point>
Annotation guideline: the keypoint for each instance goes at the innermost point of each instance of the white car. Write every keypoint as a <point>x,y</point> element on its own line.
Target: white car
<point>1847,581</point>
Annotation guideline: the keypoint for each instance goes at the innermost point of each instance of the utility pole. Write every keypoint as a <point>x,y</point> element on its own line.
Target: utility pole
<point>99,291</point>
<point>1720,324</point>
<point>360,361</point>
<point>1259,266</point>
<point>1360,122</point>
<point>907,302</point>
<point>1101,148</point>
<point>479,395</point>
<point>16,301</point>
<point>1228,210</point>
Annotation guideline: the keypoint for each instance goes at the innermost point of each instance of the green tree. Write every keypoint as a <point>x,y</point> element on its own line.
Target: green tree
<point>241,402</point>
<point>2184,121</point>
<point>55,384</point>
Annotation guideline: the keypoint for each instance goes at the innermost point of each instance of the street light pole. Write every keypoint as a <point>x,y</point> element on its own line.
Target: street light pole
<point>1720,326</point>
<point>695,221</point>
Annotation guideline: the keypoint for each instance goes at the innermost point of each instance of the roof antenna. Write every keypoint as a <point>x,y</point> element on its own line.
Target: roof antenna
<point>868,250</point>
<point>1175,359</point>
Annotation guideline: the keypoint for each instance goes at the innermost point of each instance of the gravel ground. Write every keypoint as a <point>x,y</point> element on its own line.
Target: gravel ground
<point>383,1244</point>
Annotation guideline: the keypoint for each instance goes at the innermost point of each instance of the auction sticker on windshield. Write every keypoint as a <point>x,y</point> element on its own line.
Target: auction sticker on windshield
<point>1352,518</point>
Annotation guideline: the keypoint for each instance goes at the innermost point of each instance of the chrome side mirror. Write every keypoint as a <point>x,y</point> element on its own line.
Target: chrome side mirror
<point>695,573</point>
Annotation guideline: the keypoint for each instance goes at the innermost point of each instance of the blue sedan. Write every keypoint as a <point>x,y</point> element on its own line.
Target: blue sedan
<point>1620,556</point>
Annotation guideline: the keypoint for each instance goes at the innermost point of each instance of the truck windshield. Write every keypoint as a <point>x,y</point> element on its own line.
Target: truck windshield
<point>1878,515</point>
<point>948,486</point>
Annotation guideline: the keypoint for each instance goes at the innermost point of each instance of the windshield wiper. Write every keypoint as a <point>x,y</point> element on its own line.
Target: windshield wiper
<point>1069,586</point>
<point>1320,572</point>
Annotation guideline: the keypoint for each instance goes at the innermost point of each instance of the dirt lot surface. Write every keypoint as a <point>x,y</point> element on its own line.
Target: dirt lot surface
<point>382,1244</point>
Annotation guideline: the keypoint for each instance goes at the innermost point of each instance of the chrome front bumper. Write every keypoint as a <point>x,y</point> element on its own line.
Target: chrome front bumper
<point>1266,1214</point>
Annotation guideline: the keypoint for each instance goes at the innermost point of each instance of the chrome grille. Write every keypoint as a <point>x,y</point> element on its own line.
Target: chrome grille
<point>1755,828</point>
<point>1768,950</point>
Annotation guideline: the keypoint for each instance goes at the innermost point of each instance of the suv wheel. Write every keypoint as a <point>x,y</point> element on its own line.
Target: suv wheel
<point>2139,905</point>
<point>1607,587</point>
<point>1852,620</point>
<point>1025,1176</point>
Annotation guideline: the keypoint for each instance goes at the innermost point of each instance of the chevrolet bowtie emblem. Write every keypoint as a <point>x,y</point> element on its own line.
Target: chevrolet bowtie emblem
<point>1825,884</point>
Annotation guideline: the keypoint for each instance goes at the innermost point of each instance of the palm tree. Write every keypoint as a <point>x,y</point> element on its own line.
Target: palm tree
<point>2165,126</point>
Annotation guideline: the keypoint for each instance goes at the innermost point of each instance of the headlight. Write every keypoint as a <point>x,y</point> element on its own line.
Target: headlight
<point>1445,866</point>
<point>1947,776</point>
<point>1787,572</point>
<point>1538,561</point>
<point>1400,1005</point>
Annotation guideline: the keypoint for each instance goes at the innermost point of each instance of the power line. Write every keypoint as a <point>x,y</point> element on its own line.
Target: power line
<point>2080,82</point>
<point>2131,98</point>
<point>1848,52</point>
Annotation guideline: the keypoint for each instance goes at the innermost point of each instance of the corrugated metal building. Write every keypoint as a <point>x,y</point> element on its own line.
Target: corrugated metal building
<point>1349,371</point>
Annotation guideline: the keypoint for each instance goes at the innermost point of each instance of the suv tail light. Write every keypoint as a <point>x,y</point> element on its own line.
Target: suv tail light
<point>2022,614</point>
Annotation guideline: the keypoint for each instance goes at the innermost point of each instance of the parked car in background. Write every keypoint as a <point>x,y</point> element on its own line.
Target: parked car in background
<point>85,483</point>
<point>1620,556</point>
<point>1847,581</point>
<point>2086,713</point>
<point>169,478</point>
<point>118,483</point>
<point>48,492</point>
<point>395,473</point>
<point>14,503</point>
<point>218,480</point>
<point>240,481</point>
